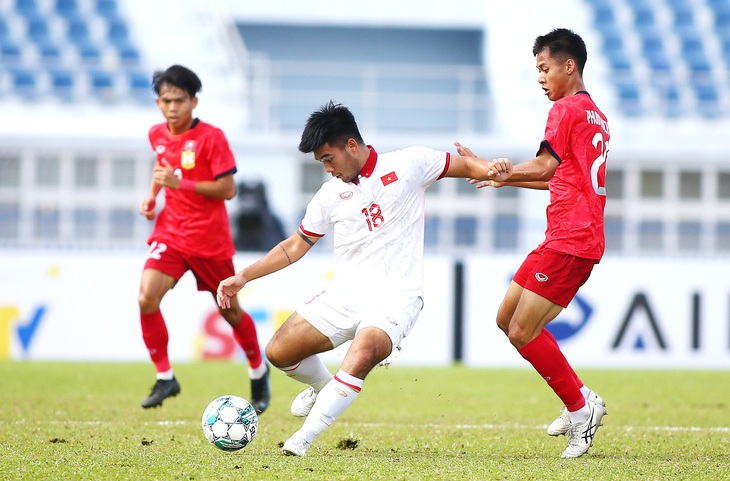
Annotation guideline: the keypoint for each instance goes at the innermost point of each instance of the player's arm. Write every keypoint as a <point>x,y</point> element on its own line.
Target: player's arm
<point>540,169</point>
<point>480,183</point>
<point>147,206</point>
<point>222,188</point>
<point>282,255</point>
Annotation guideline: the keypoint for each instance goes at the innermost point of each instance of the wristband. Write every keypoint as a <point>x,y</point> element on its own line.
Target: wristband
<point>187,184</point>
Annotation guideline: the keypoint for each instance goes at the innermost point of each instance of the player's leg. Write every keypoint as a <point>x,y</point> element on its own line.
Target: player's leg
<point>370,346</point>
<point>386,324</point>
<point>153,287</point>
<point>208,273</point>
<point>244,331</point>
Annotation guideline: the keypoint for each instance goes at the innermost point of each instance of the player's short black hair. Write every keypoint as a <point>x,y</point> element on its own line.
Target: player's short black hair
<point>177,76</point>
<point>563,44</point>
<point>332,124</point>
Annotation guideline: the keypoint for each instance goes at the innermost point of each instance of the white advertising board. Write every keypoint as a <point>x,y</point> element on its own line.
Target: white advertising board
<point>638,313</point>
<point>81,306</point>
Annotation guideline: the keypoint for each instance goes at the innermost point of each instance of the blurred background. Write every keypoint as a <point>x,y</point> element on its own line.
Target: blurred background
<point>76,105</point>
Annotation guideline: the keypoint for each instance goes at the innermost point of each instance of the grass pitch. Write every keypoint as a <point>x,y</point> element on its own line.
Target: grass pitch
<point>82,421</point>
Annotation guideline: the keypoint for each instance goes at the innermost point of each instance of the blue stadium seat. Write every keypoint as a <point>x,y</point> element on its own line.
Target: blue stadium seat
<point>129,56</point>
<point>62,84</point>
<point>24,83</point>
<point>78,31</point>
<point>4,30</point>
<point>106,9</point>
<point>140,87</point>
<point>67,8</point>
<point>90,54</point>
<point>670,99</point>
<point>11,54</point>
<point>102,84</point>
<point>38,30</point>
<point>118,33</point>
<point>707,99</point>
<point>629,97</point>
<point>26,8</point>
<point>50,54</point>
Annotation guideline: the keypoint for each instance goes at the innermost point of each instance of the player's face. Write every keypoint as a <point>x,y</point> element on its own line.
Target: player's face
<point>553,75</point>
<point>177,107</point>
<point>339,161</point>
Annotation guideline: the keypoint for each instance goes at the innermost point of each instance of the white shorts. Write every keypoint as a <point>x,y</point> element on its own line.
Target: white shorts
<point>340,316</point>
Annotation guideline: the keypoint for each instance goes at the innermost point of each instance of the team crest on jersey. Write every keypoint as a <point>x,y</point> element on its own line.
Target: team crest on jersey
<point>187,159</point>
<point>160,149</point>
<point>346,195</point>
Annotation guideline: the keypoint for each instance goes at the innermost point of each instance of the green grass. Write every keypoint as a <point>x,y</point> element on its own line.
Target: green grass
<point>73,421</point>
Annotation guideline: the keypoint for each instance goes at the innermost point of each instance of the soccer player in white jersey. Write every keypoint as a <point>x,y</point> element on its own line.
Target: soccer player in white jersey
<point>375,205</point>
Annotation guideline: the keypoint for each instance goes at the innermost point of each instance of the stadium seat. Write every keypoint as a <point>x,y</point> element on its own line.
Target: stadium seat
<point>62,84</point>
<point>118,33</point>
<point>26,8</point>
<point>11,54</point>
<point>24,83</point>
<point>629,97</point>
<point>102,85</point>
<point>106,9</point>
<point>129,56</point>
<point>89,54</point>
<point>78,31</point>
<point>50,55</point>
<point>67,8</point>
<point>38,30</point>
<point>140,87</point>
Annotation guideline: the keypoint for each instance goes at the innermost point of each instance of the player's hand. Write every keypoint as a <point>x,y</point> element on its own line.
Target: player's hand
<point>463,151</point>
<point>486,183</point>
<point>164,175</point>
<point>147,208</point>
<point>227,289</point>
<point>500,168</point>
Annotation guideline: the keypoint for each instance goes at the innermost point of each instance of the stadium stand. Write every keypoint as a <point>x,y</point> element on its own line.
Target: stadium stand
<point>74,93</point>
<point>69,50</point>
<point>677,70</point>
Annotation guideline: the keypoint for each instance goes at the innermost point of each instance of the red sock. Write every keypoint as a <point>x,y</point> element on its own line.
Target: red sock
<point>245,334</point>
<point>552,338</point>
<point>547,359</point>
<point>154,333</point>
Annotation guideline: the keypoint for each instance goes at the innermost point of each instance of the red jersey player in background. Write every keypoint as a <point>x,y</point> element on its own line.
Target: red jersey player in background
<point>571,164</point>
<point>195,166</point>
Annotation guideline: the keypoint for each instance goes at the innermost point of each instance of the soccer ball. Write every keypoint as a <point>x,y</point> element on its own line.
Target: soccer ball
<point>230,423</point>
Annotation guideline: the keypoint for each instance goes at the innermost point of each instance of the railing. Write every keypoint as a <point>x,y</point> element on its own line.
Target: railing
<point>383,96</point>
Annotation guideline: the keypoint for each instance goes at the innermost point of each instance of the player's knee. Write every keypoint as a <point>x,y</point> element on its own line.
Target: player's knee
<point>277,356</point>
<point>148,304</point>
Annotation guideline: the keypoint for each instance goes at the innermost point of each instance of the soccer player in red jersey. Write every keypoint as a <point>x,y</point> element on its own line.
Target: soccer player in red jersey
<point>195,166</point>
<point>571,164</point>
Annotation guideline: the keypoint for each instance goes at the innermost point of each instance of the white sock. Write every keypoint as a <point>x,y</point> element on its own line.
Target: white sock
<point>332,401</point>
<point>585,391</point>
<point>258,372</point>
<point>581,415</point>
<point>166,376</point>
<point>310,371</point>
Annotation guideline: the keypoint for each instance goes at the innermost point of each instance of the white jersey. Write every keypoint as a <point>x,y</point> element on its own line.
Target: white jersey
<point>378,221</point>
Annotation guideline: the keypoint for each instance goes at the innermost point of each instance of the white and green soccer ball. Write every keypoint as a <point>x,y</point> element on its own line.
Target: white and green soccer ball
<point>230,423</point>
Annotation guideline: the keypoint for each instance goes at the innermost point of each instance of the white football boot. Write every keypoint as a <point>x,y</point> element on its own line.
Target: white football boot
<point>562,422</point>
<point>581,435</point>
<point>302,404</point>
<point>295,446</point>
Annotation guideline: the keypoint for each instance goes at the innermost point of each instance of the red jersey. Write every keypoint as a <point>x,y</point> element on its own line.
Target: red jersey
<point>192,223</point>
<point>577,135</point>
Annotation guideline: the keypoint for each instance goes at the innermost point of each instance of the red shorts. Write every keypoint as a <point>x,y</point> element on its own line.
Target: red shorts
<point>208,272</point>
<point>554,275</point>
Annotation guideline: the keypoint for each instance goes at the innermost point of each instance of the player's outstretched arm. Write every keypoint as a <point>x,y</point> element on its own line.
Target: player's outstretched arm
<point>282,255</point>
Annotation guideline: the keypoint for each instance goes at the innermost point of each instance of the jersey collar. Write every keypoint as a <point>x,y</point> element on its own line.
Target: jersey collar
<point>369,167</point>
